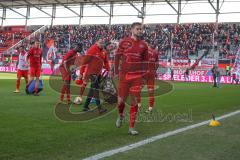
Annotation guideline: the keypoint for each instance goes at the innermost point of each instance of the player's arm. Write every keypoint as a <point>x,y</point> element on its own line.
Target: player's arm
<point>106,63</point>
<point>17,61</point>
<point>41,56</point>
<point>88,56</point>
<point>118,58</point>
<point>156,62</point>
<point>48,53</point>
<point>30,52</point>
<point>82,70</point>
<point>145,63</point>
<point>67,57</point>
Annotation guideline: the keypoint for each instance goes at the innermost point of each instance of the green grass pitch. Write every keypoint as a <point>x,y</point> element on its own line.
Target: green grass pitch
<point>29,129</point>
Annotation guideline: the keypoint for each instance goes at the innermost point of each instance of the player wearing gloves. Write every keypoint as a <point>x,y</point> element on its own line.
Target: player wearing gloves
<point>95,59</point>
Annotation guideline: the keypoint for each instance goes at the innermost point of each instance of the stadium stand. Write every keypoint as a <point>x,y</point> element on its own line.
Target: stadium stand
<point>11,35</point>
<point>183,40</point>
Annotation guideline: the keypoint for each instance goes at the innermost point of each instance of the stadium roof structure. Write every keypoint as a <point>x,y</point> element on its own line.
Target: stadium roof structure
<point>23,3</point>
<point>78,8</point>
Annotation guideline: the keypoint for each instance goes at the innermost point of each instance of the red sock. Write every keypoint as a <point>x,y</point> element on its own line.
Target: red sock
<point>68,92</point>
<point>63,92</point>
<point>133,115</point>
<point>151,101</point>
<point>82,88</point>
<point>121,107</point>
<point>151,95</point>
<point>18,84</point>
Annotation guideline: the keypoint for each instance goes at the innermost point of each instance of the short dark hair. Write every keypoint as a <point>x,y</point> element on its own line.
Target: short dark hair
<point>135,24</point>
<point>148,41</point>
<point>79,46</point>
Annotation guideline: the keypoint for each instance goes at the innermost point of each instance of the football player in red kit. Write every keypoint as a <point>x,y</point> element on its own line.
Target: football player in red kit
<point>22,68</point>
<point>66,70</point>
<point>95,59</point>
<point>151,74</point>
<point>82,82</point>
<point>35,60</point>
<point>129,65</point>
<point>83,78</point>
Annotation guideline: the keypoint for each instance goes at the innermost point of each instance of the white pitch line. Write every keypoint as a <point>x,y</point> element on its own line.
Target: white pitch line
<point>155,138</point>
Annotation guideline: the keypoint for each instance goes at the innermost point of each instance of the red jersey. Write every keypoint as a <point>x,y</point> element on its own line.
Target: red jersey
<point>83,69</point>
<point>35,57</point>
<point>153,60</point>
<point>95,59</point>
<point>132,55</point>
<point>69,58</point>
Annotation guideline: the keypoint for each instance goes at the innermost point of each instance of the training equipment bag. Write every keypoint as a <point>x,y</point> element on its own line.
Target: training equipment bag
<point>108,89</point>
<point>31,87</point>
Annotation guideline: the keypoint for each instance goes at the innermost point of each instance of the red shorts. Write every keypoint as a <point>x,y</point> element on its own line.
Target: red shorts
<point>22,73</point>
<point>35,72</point>
<point>132,87</point>
<point>65,75</point>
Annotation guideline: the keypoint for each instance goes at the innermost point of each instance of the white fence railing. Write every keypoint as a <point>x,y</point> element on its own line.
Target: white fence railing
<point>236,67</point>
<point>12,48</point>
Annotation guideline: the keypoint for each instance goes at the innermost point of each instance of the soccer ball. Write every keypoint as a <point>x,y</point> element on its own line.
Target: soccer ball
<point>78,100</point>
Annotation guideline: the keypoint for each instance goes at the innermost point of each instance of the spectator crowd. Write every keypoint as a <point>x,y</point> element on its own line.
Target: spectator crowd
<point>181,40</point>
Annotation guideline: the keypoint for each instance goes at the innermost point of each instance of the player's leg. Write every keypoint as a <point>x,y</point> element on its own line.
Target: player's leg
<point>52,66</point>
<point>36,86</point>
<point>96,95</point>
<point>26,76</point>
<point>94,92</point>
<point>30,79</point>
<point>82,89</point>
<point>31,76</point>
<point>19,75</point>
<point>63,90</point>
<point>37,75</point>
<point>66,77</point>
<point>134,92</point>
<point>123,91</point>
<point>133,114</point>
<point>90,94</point>
<point>67,88</point>
<point>150,87</point>
<point>139,99</point>
<point>216,81</point>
